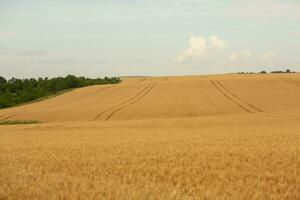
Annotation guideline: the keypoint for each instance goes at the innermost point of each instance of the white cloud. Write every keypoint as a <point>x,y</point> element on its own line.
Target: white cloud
<point>269,56</point>
<point>216,53</point>
<point>216,42</point>
<point>240,55</point>
<point>201,48</point>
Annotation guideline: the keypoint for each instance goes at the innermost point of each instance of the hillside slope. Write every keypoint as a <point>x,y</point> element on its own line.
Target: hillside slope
<point>197,137</point>
<point>274,95</point>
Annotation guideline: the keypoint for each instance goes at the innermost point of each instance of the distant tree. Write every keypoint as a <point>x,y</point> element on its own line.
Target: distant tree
<point>263,72</point>
<point>276,72</point>
<point>15,91</point>
<point>72,81</point>
<point>3,83</point>
<point>2,80</point>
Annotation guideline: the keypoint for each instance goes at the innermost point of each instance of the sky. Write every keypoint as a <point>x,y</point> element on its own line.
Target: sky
<point>97,38</point>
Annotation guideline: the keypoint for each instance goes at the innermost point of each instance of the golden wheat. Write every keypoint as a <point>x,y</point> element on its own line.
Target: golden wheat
<point>198,137</point>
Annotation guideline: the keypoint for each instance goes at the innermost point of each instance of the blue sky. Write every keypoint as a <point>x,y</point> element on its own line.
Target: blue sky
<point>157,37</point>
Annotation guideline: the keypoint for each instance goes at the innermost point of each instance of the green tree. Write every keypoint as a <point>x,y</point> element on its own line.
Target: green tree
<point>15,91</point>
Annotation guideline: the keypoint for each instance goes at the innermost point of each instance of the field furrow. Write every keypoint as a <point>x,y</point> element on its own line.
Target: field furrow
<point>134,100</point>
<point>237,97</point>
<point>124,102</point>
<point>292,82</point>
<point>230,97</point>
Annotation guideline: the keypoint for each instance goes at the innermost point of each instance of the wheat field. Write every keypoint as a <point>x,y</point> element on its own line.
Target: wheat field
<point>191,137</point>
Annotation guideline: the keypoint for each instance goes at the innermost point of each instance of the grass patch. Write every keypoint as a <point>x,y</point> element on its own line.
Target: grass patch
<point>14,122</point>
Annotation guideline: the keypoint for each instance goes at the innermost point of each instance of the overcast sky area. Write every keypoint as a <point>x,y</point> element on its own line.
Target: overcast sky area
<point>95,38</point>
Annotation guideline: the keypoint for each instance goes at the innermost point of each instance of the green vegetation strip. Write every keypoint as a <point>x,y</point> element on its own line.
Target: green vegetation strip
<point>19,91</point>
<point>14,122</point>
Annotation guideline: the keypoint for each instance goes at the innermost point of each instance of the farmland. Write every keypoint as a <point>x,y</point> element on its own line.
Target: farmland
<point>187,137</point>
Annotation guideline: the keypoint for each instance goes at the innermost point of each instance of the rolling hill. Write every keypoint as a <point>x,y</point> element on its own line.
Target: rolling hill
<point>170,97</point>
<point>191,137</point>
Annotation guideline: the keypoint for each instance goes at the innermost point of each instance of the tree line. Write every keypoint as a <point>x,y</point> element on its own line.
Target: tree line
<point>17,91</point>
<point>265,72</point>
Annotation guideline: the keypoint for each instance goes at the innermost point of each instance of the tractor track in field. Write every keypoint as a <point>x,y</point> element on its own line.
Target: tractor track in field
<point>120,104</point>
<point>249,104</point>
<point>292,82</point>
<point>145,92</point>
<point>141,80</point>
<point>123,103</point>
<point>8,116</point>
<point>165,78</point>
<point>229,97</point>
<point>246,106</point>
